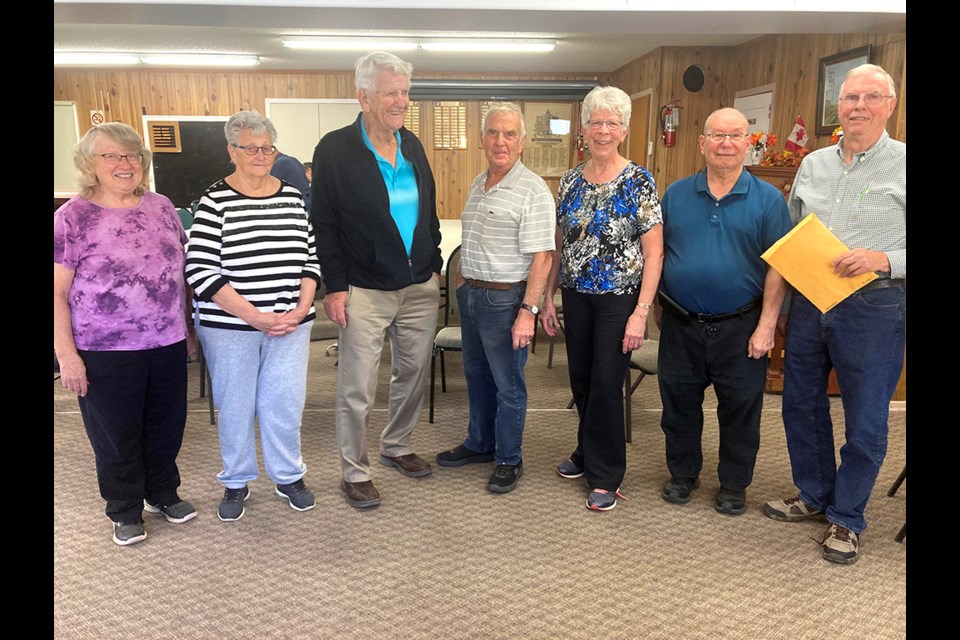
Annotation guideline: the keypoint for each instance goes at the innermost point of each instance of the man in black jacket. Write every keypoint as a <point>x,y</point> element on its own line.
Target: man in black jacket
<point>378,241</point>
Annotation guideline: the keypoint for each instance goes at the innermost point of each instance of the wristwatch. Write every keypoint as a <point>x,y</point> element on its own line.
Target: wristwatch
<point>532,308</point>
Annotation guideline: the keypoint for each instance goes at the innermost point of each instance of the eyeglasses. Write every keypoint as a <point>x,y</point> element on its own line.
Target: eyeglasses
<point>718,137</point>
<point>612,125</point>
<point>871,99</point>
<point>396,93</point>
<point>251,150</point>
<point>115,158</point>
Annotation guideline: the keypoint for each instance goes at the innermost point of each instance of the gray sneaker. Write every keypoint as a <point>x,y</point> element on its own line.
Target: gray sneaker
<point>297,495</point>
<point>176,512</point>
<point>841,545</point>
<point>125,533</point>
<point>790,510</point>
<point>231,505</point>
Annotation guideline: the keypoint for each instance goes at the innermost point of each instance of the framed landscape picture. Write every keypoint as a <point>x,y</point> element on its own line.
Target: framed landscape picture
<point>832,71</point>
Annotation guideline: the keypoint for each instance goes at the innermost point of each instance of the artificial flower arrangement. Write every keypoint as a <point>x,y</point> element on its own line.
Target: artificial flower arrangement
<point>836,135</point>
<point>766,141</point>
<point>760,140</point>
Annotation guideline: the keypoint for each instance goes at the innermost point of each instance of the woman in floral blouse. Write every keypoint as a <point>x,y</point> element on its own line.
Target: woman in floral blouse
<point>610,232</point>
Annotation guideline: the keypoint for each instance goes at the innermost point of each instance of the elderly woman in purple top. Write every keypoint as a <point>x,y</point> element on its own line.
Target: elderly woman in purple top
<point>120,329</point>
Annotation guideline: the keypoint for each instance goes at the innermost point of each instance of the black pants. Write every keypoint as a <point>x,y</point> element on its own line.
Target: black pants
<point>134,413</point>
<point>594,326</point>
<point>692,356</point>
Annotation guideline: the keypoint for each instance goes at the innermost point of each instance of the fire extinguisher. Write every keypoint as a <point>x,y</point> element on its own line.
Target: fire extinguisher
<point>580,148</point>
<point>669,120</point>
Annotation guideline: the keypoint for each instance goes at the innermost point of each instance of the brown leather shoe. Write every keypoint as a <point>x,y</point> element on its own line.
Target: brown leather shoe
<point>360,494</point>
<point>410,465</point>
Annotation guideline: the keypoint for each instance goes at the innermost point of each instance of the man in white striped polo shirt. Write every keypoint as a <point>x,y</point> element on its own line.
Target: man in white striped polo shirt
<point>508,236</point>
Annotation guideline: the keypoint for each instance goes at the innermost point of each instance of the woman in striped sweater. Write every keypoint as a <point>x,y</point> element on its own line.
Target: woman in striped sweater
<point>252,263</point>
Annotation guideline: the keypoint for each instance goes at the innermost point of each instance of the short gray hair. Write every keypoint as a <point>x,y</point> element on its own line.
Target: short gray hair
<point>606,99</point>
<point>125,137</point>
<point>369,67</point>
<point>251,121</point>
<point>504,107</point>
<point>866,70</point>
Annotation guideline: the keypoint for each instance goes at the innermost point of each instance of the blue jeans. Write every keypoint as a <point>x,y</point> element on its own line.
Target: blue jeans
<point>863,339</point>
<point>262,378</point>
<point>496,386</point>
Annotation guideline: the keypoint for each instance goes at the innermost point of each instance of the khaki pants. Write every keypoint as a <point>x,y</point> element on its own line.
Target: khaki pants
<point>408,317</point>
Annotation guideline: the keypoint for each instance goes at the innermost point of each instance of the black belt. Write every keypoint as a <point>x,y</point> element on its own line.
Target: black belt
<point>884,283</point>
<point>499,286</point>
<point>670,304</point>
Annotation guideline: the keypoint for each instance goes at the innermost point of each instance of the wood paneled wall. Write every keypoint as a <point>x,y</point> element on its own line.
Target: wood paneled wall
<point>125,95</point>
<point>791,62</point>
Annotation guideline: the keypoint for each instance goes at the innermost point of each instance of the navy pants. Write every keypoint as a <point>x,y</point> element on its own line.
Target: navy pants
<point>692,356</point>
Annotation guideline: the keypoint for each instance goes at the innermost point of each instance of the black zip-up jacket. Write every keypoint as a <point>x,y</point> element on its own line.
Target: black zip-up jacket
<point>358,242</point>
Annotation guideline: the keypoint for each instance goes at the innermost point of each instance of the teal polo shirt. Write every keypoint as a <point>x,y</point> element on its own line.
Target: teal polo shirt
<point>401,183</point>
<point>712,247</point>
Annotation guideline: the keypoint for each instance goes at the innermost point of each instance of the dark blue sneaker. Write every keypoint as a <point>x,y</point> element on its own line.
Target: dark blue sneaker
<point>231,505</point>
<point>567,469</point>
<point>297,494</point>
<point>603,500</point>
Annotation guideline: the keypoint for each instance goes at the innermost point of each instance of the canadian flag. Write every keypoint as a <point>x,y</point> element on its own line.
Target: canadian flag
<point>798,137</point>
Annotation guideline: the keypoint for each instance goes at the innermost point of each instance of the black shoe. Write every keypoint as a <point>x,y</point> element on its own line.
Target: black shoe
<point>504,478</point>
<point>678,490</point>
<point>460,455</point>
<point>731,502</point>
<point>231,505</point>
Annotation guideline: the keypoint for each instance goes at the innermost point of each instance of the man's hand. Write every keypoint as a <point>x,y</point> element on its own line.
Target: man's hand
<point>761,341</point>
<point>859,261</point>
<point>523,328</point>
<point>335,306</point>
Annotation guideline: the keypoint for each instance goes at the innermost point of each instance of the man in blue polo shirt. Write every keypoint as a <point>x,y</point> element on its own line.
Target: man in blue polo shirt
<point>719,306</point>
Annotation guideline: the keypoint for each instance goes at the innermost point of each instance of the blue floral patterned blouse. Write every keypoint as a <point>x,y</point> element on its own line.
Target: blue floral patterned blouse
<point>602,225</point>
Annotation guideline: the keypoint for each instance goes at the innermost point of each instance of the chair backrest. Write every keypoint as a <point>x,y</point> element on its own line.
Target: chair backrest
<point>450,283</point>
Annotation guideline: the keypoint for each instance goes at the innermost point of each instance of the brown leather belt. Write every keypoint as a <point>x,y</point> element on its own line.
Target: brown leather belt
<point>499,286</point>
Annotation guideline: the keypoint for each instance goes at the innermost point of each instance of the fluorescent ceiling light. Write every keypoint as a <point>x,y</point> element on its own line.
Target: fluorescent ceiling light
<point>200,59</point>
<point>341,44</point>
<point>94,58</point>
<point>490,46</point>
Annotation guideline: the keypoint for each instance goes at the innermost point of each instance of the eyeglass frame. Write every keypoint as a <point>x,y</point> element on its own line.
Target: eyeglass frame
<point>263,150</point>
<point>123,156</point>
<point>612,126</point>
<point>711,138</point>
<point>863,96</point>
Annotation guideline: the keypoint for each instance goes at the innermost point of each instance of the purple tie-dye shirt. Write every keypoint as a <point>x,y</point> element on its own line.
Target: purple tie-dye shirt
<point>128,288</point>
